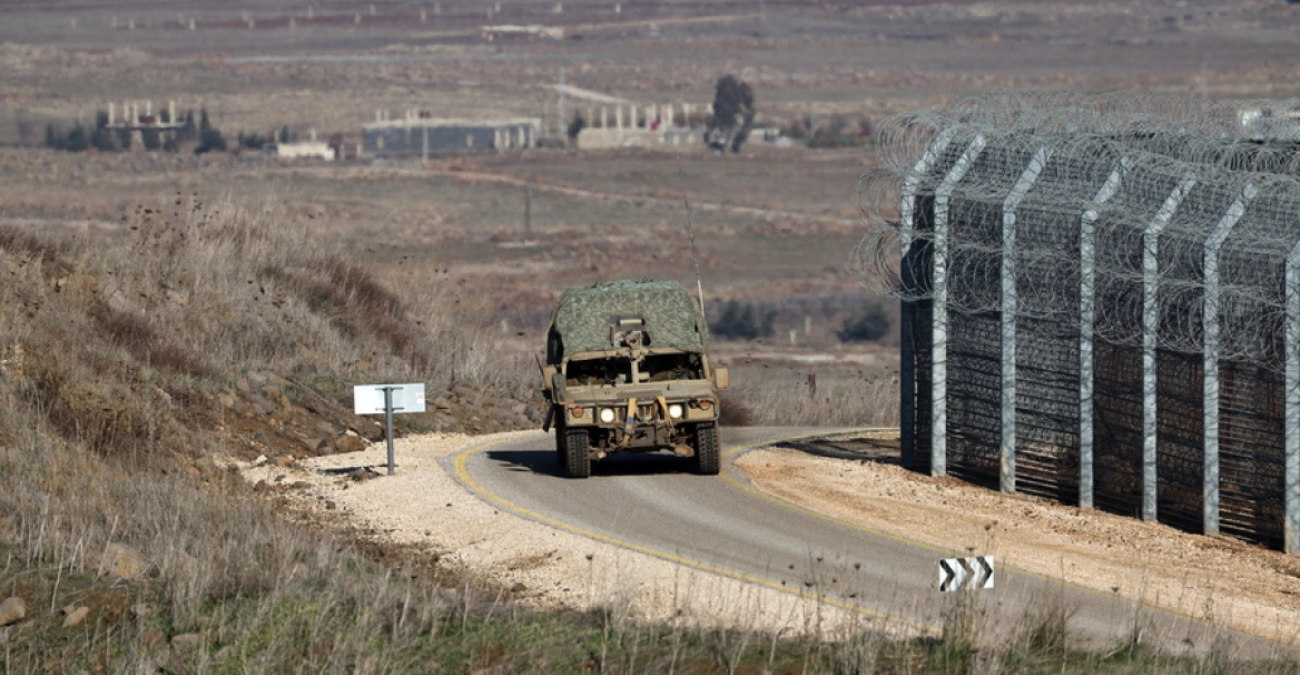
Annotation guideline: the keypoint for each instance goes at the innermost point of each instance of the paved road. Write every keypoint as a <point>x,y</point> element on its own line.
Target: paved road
<point>721,524</point>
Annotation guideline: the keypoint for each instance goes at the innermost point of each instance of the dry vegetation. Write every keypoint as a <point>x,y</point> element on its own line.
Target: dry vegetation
<point>221,329</point>
<point>149,319</point>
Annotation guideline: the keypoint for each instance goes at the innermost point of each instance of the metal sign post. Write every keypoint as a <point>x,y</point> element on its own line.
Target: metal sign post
<point>388,399</point>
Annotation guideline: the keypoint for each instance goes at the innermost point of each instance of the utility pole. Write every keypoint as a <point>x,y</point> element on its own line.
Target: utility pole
<point>560,111</point>
<point>528,205</point>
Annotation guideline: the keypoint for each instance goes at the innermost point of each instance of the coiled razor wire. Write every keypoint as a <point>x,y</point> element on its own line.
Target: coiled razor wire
<point>1111,285</point>
<point>1157,142</point>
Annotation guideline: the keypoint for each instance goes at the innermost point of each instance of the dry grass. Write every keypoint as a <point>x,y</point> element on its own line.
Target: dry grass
<point>782,394</point>
<point>110,357</point>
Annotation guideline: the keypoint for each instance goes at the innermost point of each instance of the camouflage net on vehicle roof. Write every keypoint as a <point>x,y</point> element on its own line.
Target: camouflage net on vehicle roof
<point>673,319</point>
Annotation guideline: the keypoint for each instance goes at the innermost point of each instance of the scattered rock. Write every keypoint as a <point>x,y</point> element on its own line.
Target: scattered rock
<point>330,505</point>
<point>177,298</point>
<point>261,459</point>
<point>349,443</point>
<point>12,610</point>
<point>79,286</point>
<point>154,638</point>
<point>123,562</point>
<point>361,475</point>
<point>74,616</point>
<point>186,642</point>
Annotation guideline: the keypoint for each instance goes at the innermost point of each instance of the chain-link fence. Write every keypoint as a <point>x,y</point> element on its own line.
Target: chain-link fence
<point>1101,301</point>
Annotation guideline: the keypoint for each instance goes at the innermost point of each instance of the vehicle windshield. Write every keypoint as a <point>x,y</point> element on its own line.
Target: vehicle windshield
<point>620,369</point>
<point>595,372</point>
<point>661,367</point>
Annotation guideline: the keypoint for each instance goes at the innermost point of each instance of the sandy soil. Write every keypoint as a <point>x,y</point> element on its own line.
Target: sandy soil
<point>1225,581</point>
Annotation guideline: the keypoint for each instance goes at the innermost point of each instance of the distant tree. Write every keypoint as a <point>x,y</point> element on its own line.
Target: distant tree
<point>78,139</point>
<point>870,325</point>
<point>104,139</point>
<point>53,138</point>
<point>152,139</point>
<point>253,141</point>
<point>576,126</point>
<point>742,322</point>
<point>209,137</point>
<point>733,115</point>
<point>26,127</point>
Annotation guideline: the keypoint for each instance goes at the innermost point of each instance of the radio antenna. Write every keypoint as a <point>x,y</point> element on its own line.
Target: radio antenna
<point>690,234</point>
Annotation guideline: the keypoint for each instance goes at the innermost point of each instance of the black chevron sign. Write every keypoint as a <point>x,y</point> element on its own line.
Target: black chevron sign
<point>971,574</point>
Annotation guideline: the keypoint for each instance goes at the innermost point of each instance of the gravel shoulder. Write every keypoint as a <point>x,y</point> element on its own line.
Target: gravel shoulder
<point>1217,579</point>
<point>425,510</point>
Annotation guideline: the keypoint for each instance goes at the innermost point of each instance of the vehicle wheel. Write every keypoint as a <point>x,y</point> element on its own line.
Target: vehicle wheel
<point>577,446</point>
<point>561,450</point>
<point>708,459</point>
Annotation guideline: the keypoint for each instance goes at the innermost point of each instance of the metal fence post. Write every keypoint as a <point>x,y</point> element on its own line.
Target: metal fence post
<point>388,425</point>
<point>1291,483</point>
<point>1150,335</point>
<point>1210,358</point>
<point>939,365</point>
<point>907,308</point>
<point>1010,305</point>
<point>1087,325</point>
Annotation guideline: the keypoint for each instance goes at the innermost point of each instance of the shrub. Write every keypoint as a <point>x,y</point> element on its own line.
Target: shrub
<point>870,325</point>
<point>743,322</point>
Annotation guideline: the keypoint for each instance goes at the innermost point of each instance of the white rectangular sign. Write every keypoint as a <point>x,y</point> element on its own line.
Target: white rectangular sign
<point>368,399</point>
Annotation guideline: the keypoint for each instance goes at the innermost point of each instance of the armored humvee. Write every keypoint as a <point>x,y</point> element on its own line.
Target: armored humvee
<point>627,369</point>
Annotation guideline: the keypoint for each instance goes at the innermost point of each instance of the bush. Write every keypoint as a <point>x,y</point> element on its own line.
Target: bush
<point>576,126</point>
<point>742,322</point>
<point>209,137</point>
<point>869,326</point>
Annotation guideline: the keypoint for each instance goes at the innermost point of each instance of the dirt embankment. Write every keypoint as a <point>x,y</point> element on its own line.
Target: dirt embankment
<point>1218,579</point>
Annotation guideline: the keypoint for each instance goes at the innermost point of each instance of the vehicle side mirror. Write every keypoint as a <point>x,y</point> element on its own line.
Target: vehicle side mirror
<point>721,377</point>
<point>548,376</point>
<point>557,384</point>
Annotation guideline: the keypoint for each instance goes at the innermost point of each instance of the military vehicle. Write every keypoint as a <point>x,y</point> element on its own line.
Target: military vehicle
<point>627,369</point>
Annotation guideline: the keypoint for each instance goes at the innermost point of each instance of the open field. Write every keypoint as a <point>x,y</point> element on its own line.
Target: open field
<point>161,308</point>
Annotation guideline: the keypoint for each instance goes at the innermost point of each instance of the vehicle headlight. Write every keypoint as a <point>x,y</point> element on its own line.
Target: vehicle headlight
<point>607,415</point>
<point>675,411</point>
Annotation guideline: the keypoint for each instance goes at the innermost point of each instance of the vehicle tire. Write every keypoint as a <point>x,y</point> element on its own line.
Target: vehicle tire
<point>577,460</point>
<point>561,449</point>
<point>708,457</point>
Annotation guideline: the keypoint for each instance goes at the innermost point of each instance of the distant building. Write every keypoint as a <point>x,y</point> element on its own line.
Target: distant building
<point>632,125</point>
<point>600,139</point>
<point>422,136</point>
<point>309,149</point>
<point>1270,124</point>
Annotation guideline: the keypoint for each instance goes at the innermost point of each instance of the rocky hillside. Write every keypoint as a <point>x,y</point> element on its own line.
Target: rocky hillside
<point>225,329</point>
